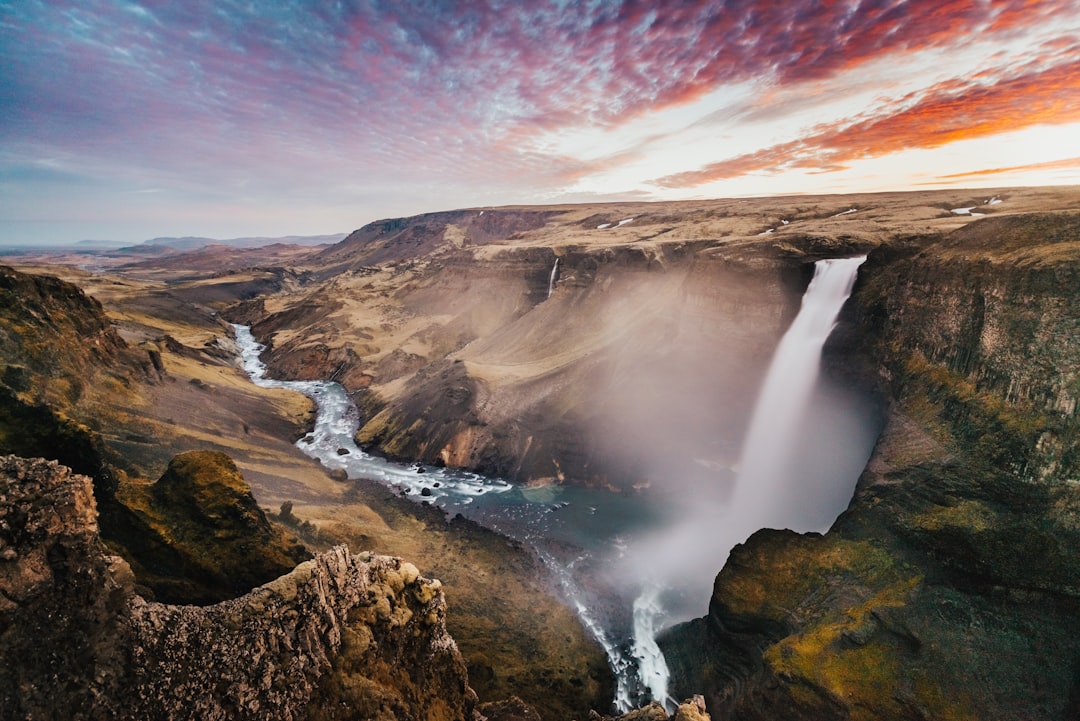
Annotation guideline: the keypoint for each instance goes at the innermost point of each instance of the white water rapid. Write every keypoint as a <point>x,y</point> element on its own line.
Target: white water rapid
<point>553,278</point>
<point>766,492</point>
<point>565,526</point>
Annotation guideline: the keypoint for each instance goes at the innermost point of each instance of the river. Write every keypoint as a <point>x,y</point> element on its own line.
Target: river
<point>575,531</point>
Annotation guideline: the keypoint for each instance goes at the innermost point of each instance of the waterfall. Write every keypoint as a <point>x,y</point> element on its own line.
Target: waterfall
<point>767,493</point>
<point>553,278</point>
<point>789,384</point>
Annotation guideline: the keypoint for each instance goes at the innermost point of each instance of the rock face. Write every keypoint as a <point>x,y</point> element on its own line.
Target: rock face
<point>197,535</point>
<point>41,315</point>
<point>948,589</point>
<point>341,636</point>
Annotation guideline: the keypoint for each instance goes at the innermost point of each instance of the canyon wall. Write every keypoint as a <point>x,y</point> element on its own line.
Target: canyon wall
<point>948,589</point>
<point>617,366</point>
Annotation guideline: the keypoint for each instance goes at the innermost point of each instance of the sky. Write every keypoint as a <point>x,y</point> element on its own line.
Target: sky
<point>225,118</point>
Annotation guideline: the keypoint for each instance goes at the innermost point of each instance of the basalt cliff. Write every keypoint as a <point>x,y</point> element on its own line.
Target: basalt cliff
<point>948,589</point>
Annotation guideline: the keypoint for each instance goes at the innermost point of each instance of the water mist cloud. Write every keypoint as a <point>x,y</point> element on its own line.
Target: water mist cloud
<point>805,448</point>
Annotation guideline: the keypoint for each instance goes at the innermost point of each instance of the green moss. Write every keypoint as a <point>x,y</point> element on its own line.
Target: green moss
<point>968,514</point>
<point>204,536</point>
<point>977,421</point>
<point>772,575</point>
<point>849,660</point>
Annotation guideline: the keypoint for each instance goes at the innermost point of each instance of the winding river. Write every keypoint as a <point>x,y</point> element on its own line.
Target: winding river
<point>572,530</point>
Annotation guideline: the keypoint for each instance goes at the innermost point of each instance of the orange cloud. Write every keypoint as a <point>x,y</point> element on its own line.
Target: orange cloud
<point>945,114</point>
<point>1064,163</point>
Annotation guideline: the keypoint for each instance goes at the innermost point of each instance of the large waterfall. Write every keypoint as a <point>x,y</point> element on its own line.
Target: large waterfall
<point>768,492</point>
<point>782,403</point>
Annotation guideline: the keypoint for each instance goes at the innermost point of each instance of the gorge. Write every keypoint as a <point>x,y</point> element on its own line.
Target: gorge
<point>607,377</point>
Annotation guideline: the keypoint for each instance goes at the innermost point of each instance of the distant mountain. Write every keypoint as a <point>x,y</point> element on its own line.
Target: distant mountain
<point>99,244</point>
<point>194,242</point>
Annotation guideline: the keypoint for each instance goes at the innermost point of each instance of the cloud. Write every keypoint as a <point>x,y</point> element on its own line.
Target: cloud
<point>272,100</point>
<point>950,111</point>
<point>1063,164</point>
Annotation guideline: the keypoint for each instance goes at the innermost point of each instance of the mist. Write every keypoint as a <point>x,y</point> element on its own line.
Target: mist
<point>729,445</point>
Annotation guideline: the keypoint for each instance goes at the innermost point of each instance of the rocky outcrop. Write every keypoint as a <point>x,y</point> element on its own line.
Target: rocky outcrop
<point>197,535</point>
<point>402,239</point>
<point>341,636</point>
<point>948,588</point>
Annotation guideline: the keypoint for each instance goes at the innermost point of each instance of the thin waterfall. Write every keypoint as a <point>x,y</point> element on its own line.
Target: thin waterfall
<point>553,278</point>
<point>765,481</point>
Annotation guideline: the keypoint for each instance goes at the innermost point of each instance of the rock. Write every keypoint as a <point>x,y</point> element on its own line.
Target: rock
<point>338,474</point>
<point>692,710</point>
<point>77,643</point>
<point>203,536</point>
<point>512,709</point>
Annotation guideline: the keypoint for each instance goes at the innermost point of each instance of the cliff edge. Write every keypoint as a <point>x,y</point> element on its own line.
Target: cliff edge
<point>340,636</point>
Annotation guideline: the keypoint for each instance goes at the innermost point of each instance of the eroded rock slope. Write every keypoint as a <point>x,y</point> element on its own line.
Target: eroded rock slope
<point>340,636</point>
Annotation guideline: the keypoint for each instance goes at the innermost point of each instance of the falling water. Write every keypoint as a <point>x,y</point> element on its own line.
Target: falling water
<point>640,669</point>
<point>765,488</point>
<point>789,384</point>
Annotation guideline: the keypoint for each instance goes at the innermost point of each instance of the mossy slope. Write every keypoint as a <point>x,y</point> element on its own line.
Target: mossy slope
<point>205,539</point>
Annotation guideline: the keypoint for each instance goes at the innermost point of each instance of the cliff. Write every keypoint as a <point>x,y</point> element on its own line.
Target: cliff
<point>196,535</point>
<point>340,636</point>
<point>460,356</point>
<point>948,588</point>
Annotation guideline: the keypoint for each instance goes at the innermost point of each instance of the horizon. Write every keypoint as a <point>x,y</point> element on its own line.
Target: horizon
<point>89,243</point>
<point>128,121</point>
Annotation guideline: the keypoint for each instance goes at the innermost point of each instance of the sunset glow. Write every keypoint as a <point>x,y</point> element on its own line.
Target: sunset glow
<point>125,120</point>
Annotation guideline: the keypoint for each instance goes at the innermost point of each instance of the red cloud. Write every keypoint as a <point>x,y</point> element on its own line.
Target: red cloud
<point>947,113</point>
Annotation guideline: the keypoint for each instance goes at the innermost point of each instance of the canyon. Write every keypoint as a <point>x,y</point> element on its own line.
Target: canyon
<point>619,349</point>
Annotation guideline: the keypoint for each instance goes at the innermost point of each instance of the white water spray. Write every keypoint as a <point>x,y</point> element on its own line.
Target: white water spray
<point>766,481</point>
<point>652,666</point>
<point>553,278</point>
